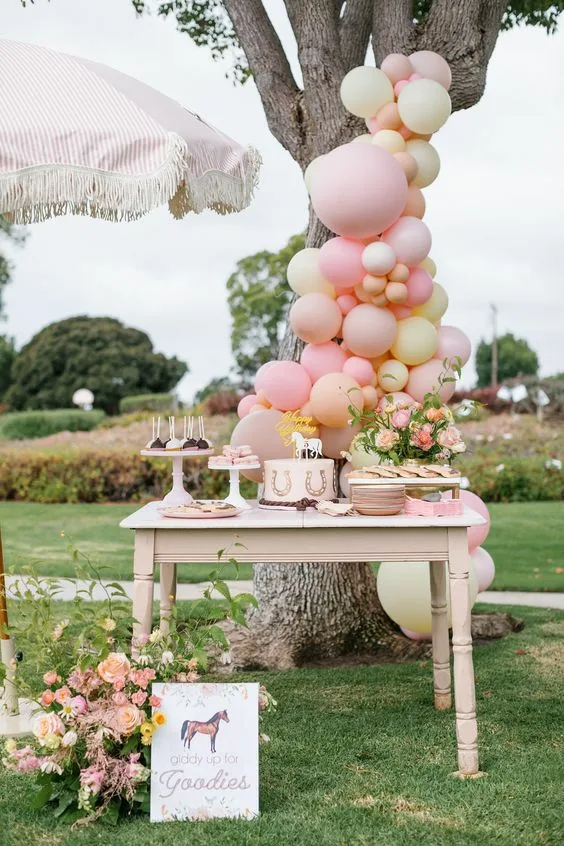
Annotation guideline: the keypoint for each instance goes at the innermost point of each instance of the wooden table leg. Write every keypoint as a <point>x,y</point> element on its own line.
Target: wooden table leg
<point>143,571</point>
<point>168,595</point>
<point>441,648</point>
<point>464,689</point>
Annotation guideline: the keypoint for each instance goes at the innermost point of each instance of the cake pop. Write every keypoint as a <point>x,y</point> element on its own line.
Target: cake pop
<point>189,441</point>
<point>202,443</point>
<point>156,443</point>
<point>173,442</point>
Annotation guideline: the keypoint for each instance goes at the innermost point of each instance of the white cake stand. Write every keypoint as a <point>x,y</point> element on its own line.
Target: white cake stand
<point>178,495</point>
<point>234,496</point>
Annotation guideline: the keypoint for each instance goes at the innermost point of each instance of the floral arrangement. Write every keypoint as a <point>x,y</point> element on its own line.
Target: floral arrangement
<point>96,718</point>
<point>401,432</point>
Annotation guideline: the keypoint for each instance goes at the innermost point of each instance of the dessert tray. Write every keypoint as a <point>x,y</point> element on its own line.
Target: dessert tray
<point>200,509</point>
<point>436,475</point>
<point>235,459</point>
<point>178,449</point>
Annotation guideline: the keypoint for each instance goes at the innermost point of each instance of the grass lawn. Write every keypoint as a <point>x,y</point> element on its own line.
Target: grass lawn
<point>359,757</point>
<point>526,542</point>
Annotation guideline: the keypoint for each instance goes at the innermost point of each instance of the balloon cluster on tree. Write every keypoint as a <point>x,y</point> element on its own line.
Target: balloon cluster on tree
<point>368,308</point>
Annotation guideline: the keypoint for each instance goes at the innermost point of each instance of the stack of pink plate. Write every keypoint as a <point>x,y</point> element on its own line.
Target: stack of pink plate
<point>378,500</point>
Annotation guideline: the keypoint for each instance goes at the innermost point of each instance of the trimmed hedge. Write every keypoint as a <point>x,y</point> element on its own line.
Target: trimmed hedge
<point>146,402</point>
<point>18,425</point>
<point>514,480</point>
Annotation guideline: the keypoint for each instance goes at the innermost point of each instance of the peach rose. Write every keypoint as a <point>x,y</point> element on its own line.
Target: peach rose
<point>47,698</point>
<point>386,439</point>
<point>449,437</point>
<point>50,677</point>
<point>422,440</point>
<point>116,666</point>
<point>127,718</point>
<point>63,695</point>
<point>434,414</point>
<point>47,724</point>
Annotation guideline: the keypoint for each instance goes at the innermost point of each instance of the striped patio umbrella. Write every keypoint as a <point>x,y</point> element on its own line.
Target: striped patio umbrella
<point>77,137</point>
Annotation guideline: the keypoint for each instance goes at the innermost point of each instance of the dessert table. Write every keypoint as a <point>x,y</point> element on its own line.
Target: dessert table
<point>293,536</point>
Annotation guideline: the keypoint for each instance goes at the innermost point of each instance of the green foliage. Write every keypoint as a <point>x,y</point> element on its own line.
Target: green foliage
<point>515,358</point>
<point>543,13</point>
<point>98,353</point>
<point>146,402</point>
<point>219,384</point>
<point>258,298</point>
<point>515,480</point>
<point>18,425</point>
<point>7,357</point>
<point>16,236</point>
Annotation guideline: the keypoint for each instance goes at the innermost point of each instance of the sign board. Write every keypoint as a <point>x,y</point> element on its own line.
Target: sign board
<point>204,759</point>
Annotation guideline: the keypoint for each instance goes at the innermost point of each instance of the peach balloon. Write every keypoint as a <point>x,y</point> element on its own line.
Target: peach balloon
<point>374,284</point>
<point>397,67</point>
<point>405,133</point>
<point>287,385</point>
<point>425,378</point>
<point>419,287</point>
<point>407,164</point>
<point>424,105</point>
<point>389,117</point>
<point>428,161</point>
<point>453,343</point>
<point>360,369</point>
<point>379,300</point>
<point>259,432</point>
<point>336,441</point>
<point>429,265</point>
<point>431,66</point>
<point>435,307</point>
<point>416,341</point>
<point>340,261</point>
<point>331,396</point>
<point>261,372</point>
<point>245,405</point>
<point>415,205</point>
<point>262,398</point>
<point>392,375</point>
<point>369,331</point>
<point>361,294</point>
<point>306,411</point>
<point>400,273</point>
<point>319,359</point>
<point>396,292</point>
<point>358,190</point>
<point>315,318</point>
<point>378,258</point>
<point>346,302</point>
<point>390,140</point>
<point>372,125</point>
<point>410,239</point>
<point>400,311</point>
<point>371,397</point>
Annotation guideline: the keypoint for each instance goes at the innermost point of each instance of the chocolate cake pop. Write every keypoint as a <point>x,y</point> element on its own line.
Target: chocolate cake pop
<point>202,443</point>
<point>189,441</point>
<point>156,443</point>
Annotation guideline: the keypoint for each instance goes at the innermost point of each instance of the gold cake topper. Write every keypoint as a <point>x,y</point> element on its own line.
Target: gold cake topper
<point>293,421</point>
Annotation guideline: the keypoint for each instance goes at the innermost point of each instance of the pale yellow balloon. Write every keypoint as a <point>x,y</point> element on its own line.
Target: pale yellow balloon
<point>304,276</point>
<point>310,170</point>
<point>429,265</point>
<point>364,90</point>
<point>428,161</point>
<point>361,294</point>
<point>417,340</point>
<point>389,140</point>
<point>366,138</point>
<point>393,375</point>
<point>360,457</point>
<point>435,307</point>
<point>424,106</point>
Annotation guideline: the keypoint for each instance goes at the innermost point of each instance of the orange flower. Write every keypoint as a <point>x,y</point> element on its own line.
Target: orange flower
<point>126,718</point>
<point>114,668</point>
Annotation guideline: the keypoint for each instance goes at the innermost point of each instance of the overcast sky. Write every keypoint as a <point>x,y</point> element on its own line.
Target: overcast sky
<point>495,211</point>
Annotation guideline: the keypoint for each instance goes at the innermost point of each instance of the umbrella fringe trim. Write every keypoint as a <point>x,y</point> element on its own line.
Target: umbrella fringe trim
<point>35,194</point>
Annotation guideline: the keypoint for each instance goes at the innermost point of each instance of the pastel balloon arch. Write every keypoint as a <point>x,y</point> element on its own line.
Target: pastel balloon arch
<point>369,308</point>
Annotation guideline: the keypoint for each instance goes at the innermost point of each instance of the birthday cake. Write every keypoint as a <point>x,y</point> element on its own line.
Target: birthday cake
<point>298,483</point>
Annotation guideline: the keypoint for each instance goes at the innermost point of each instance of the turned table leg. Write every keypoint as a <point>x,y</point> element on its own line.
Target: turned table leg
<point>464,689</point>
<point>441,649</point>
<point>168,595</point>
<point>143,571</point>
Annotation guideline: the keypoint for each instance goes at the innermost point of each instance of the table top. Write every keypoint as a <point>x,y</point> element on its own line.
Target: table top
<point>148,517</point>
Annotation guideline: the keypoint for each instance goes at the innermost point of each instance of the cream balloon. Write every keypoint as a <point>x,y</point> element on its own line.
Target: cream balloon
<point>435,307</point>
<point>428,161</point>
<point>304,276</point>
<point>389,140</point>
<point>343,481</point>
<point>365,138</point>
<point>424,106</point>
<point>360,457</point>
<point>378,258</point>
<point>393,375</point>
<point>416,341</point>
<point>310,170</point>
<point>429,265</point>
<point>405,593</point>
<point>364,90</point>
<point>331,397</point>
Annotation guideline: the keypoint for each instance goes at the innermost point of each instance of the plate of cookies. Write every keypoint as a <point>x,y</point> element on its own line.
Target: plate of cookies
<point>200,509</point>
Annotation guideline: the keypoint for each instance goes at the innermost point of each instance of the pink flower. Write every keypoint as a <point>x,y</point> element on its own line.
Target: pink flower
<point>92,779</point>
<point>155,701</point>
<point>79,705</point>
<point>134,757</point>
<point>63,695</point>
<point>400,419</point>
<point>150,674</point>
<point>126,719</point>
<point>143,639</point>
<point>29,764</point>
<point>139,697</point>
<point>50,677</point>
<point>45,724</point>
<point>449,437</point>
<point>192,677</point>
<point>47,698</point>
<point>422,440</point>
<point>386,439</point>
<point>114,667</point>
<point>119,684</point>
<point>19,754</point>
<point>119,698</point>
<point>426,427</point>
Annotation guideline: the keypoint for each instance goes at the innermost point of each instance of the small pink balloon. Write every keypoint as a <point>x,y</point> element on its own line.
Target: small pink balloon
<point>399,86</point>
<point>358,190</point>
<point>424,378</point>
<point>346,302</point>
<point>431,66</point>
<point>476,534</point>
<point>259,378</point>
<point>419,288</point>
<point>372,125</point>
<point>410,239</point>
<point>340,262</point>
<point>287,385</point>
<point>360,369</point>
<point>400,311</point>
<point>415,76</point>
<point>484,567</point>
<point>315,318</point>
<point>319,359</point>
<point>369,331</point>
<point>396,67</point>
<point>398,398</point>
<point>246,404</point>
<point>452,343</point>
<point>416,635</point>
<point>405,132</point>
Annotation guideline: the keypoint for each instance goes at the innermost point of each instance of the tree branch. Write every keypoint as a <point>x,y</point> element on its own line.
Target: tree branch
<point>393,30</point>
<point>271,70</point>
<point>355,28</point>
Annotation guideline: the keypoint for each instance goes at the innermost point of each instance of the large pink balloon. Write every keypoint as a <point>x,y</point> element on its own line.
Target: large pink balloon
<point>419,287</point>
<point>360,369</point>
<point>416,635</point>
<point>358,190</point>
<point>315,318</point>
<point>346,302</point>
<point>340,262</point>
<point>319,359</point>
<point>259,432</point>
<point>336,441</point>
<point>259,378</point>
<point>409,238</point>
<point>397,67</point>
<point>369,331</point>
<point>431,66</point>
<point>476,534</point>
<point>287,385</point>
<point>245,405</point>
<point>425,377</point>
<point>484,567</point>
<point>452,343</point>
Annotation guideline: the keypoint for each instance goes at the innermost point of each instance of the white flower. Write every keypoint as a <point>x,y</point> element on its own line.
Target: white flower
<point>499,468</point>
<point>460,447</point>
<point>84,794</point>
<point>167,658</point>
<point>155,636</point>
<point>69,738</point>
<point>144,660</point>
<point>59,629</point>
<point>49,766</point>
<point>10,746</point>
<point>264,738</point>
<point>108,624</point>
<point>553,464</point>
<point>225,658</point>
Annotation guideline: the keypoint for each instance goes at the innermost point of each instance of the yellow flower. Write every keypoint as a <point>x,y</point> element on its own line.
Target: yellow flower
<point>146,739</point>
<point>108,624</point>
<point>159,718</point>
<point>147,728</point>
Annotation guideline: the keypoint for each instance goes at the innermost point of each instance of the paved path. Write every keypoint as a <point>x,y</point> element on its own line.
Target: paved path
<point>194,591</point>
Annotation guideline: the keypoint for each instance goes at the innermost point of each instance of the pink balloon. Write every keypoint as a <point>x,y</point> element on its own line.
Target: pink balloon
<point>431,66</point>
<point>369,331</point>
<point>452,343</point>
<point>246,404</point>
<point>415,76</point>
<point>346,302</point>
<point>484,567</point>
<point>260,433</point>
<point>419,287</point>
<point>476,534</point>
<point>398,398</point>
<point>315,318</point>
<point>358,190</point>
<point>372,125</point>
<point>410,239</point>
<point>259,378</point>
<point>319,359</point>
<point>287,385</point>
<point>396,67</point>
<point>416,635</point>
<point>399,86</point>
<point>400,311</point>
<point>340,262</point>
<point>360,369</point>
<point>425,377</point>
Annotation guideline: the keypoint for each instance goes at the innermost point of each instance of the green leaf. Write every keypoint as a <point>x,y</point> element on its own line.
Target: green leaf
<point>42,796</point>
<point>222,588</point>
<point>66,799</point>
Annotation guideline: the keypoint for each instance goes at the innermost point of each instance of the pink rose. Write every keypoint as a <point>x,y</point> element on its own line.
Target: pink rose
<point>449,437</point>
<point>50,677</point>
<point>47,698</point>
<point>119,698</point>
<point>400,419</point>
<point>422,440</point>
<point>386,439</point>
<point>45,724</point>
<point>139,697</point>
<point>155,701</point>
<point>116,666</point>
<point>119,684</point>
<point>79,705</point>
<point>63,695</point>
<point>126,719</point>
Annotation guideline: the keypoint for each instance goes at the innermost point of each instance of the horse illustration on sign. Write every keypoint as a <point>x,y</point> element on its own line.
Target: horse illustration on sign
<point>211,727</point>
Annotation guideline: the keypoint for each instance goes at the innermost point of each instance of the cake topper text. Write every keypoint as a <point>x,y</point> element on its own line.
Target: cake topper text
<point>292,422</point>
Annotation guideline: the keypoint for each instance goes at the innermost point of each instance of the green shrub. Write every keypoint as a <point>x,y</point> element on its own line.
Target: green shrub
<point>515,480</point>
<point>38,424</point>
<point>146,402</point>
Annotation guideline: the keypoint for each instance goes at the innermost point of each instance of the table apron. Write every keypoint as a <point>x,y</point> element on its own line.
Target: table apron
<point>295,545</point>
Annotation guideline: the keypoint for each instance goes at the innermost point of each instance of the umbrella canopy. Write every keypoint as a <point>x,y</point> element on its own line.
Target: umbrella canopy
<point>81,138</point>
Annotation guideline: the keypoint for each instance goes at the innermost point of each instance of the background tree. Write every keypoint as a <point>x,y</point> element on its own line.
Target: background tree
<point>7,356</point>
<point>98,353</point>
<point>514,356</point>
<point>16,235</point>
<point>307,610</point>
<point>259,297</point>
